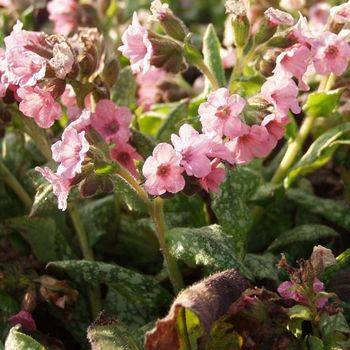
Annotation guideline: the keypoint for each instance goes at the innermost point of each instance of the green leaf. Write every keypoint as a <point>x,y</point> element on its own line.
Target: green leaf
<point>8,307</point>
<point>300,235</point>
<point>211,53</point>
<point>334,323</point>
<point>45,238</point>
<point>173,121</point>
<point>262,266</point>
<point>300,311</point>
<point>207,246</point>
<point>335,211</point>
<point>124,90</point>
<point>314,343</point>
<point>99,218</point>
<point>319,153</point>
<point>111,335</point>
<point>19,341</point>
<point>321,104</point>
<point>137,288</point>
<point>230,206</point>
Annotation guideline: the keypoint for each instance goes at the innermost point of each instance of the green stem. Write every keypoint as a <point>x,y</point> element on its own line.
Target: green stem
<point>296,145</point>
<point>93,291</point>
<point>13,183</point>
<point>207,72</point>
<point>155,209</point>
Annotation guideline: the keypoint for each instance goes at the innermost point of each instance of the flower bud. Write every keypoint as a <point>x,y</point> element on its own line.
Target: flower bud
<point>110,72</point>
<point>167,54</point>
<point>240,22</point>
<point>267,62</point>
<point>171,24</point>
<point>56,87</point>
<point>266,31</point>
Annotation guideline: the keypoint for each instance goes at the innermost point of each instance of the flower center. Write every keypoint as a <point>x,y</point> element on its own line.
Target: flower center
<point>123,157</point>
<point>163,170</point>
<point>223,112</point>
<point>332,51</point>
<point>111,128</point>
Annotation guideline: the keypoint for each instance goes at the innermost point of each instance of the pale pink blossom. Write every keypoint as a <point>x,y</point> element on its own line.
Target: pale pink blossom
<point>319,14</point>
<point>70,152</point>
<point>39,104</point>
<point>217,148</point>
<point>162,171</point>
<point>228,57</point>
<point>331,54</point>
<point>69,100</point>
<point>275,126</point>
<point>292,5</point>
<point>294,61</point>
<point>340,14</point>
<point>125,155</point>
<point>111,121</point>
<point>254,142</point>
<point>213,180</point>
<point>220,113</point>
<point>64,14</point>
<point>281,92</point>
<point>302,32</point>
<point>148,86</point>
<point>137,47</point>
<point>62,60</point>
<point>159,10</point>
<point>3,80</point>
<point>277,17</point>
<point>193,148</point>
<point>60,185</point>
<point>83,122</point>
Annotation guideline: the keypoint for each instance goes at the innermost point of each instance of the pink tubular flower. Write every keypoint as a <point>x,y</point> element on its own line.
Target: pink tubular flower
<point>162,171</point>
<point>288,290</point>
<point>70,152</point>
<point>111,121</point>
<point>60,185</point>
<point>148,86</point>
<point>301,31</point>
<point>277,17</point>
<point>137,47</point>
<point>64,14</point>
<point>39,104</point>
<point>254,142</point>
<point>83,122</point>
<point>341,14</point>
<point>193,148</point>
<point>228,57</point>
<point>319,14</point>
<point>220,113</point>
<point>25,319</point>
<point>213,180</point>
<point>294,62</point>
<point>331,54</point>
<point>281,92</point>
<point>125,155</point>
<point>275,127</point>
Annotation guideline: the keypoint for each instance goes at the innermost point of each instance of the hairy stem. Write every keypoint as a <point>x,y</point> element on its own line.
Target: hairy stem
<point>93,291</point>
<point>155,209</point>
<point>207,72</point>
<point>296,145</point>
<point>12,182</point>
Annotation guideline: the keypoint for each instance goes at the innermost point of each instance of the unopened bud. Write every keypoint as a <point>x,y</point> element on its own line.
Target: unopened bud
<point>167,54</point>
<point>322,258</point>
<point>56,87</point>
<point>110,72</point>
<point>171,24</point>
<point>240,21</point>
<point>267,62</point>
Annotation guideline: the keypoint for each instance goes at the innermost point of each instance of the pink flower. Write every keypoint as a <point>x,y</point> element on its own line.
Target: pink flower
<point>228,57</point>
<point>277,17</point>
<point>69,100</point>
<point>111,121</point>
<point>281,92</point>
<point>193,148</point>
<point>275,127</point>
<point>213,180</point>
<point>162,171</point>
<point>294,61</point>
<point>254,142</point>
<point>40,105</point>
<point>148,86</point>
<point>319,14</point>
<point>289,290</point>
<point>317,286</point>
<point>341,14</point>
<point>137,47</point>
<point>70,152</point>
<point>21,66</point>
<point>125,155</point>
<point>301,31</point>
<point>60,185</point>
<point>331,54</point>
<point>64,13</point>
<point>218,149</point>
<point>62,60</point>
<point>25,319</point>
<point>83,122</point>
<point>220,113</point>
